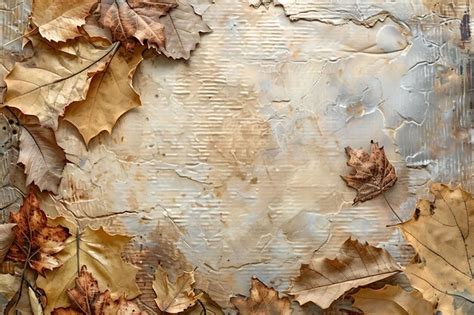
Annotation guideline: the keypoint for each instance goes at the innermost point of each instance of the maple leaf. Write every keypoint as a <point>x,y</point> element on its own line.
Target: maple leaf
<point>174,297</point>
<point>392,300</point>
<point>441,233</point>
<point>59,20</point>
<point>100,252</point>
<point>324,280</point>
<point>372,174</point>
<point>36,242</point>
<point>262,301</point>
<point>56,75</point>
<point>182,31</point>
<point>7,236</point>
<point>135,19</point>
<point>111,94</point>
<point>87,299</point>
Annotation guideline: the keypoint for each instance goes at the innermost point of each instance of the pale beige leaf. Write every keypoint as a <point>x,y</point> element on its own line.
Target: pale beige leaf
<point>441,233</point>
<point>182,31</point>
<point>9,285</point>
<point>392,300</point>
<point>58,20</point>
<point>6,239</point>
<point>43,159</point>
<point>95,31</point>
<point>53,78</point>
<point>101,253</point>
<point>324,280</point>
<point>262,301</point>
<point>35,304</point>
<point>111,94</point>
<point>174,297</point>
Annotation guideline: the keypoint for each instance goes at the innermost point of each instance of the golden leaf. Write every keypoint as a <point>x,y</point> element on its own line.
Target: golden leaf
<point>392,300</point>
<point>174,297</point>
<point>441,233</point>
<point>372,173</point>
<point>324,280</point>
<point>7,236</point>
<point>182,31</point>
<point>59,20</point>
<point>101,253</point>
<point>262,301</point>
<point>54,77</point>
<point>110,95</point>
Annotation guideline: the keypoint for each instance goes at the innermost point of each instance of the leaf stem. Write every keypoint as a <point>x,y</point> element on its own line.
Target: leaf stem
<point>203,307</point>
<point>395,213</point>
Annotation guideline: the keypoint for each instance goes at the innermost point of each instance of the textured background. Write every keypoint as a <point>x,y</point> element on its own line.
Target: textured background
<point>232,163</point>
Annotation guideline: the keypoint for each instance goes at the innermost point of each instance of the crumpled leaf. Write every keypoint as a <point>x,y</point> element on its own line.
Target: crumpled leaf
<point>135,19</point>
<point>43,159</point>
<point>324,280</point>
<point>54,77</point>
<point>35,241</point>
<point>441,233</point>
<point>371,175</point>
<point>58,20</point>
<point>101,253</point>
<point>392,300</point>
<point>262,301</point>
<point>87,299</point>
<point>174,297</point>
<point>7,236</point>
<point>111,94</point>
<point>182,31</point>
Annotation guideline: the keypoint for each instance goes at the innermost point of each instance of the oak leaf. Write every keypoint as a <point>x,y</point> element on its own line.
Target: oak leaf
<point>182,31</point>
<point>111,94</point>
<point>135,20</point>
<point>372,173</point>
<point>7,236</point>
<point>59,20</point>
<point>392,300</point>
<point>43,159</point>
<point>56,75</point>
<point>101,253</point>
<point>174,297</point>
<point>324,280</point>
<point>262,301</point>
<point>35,241</point>
<point>441,233</point>
<point>87,299</point>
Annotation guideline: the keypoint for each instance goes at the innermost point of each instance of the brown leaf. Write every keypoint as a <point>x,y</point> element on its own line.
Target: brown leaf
<point>182,31</point>
<point>35,241</point>
<point>262,301</point>
<point>371,175</point>
<point>7,236</point>
<point>59,20</point>
<point>441,233</point>
<point>174,297</point>
<point>392,300</point>
<point>43,159</point>
<point>110,95</point>
<point>135,19</point>
<point>324,280</point>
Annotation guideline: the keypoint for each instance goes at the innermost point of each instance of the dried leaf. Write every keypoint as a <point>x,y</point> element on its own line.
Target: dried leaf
<point>212,308</point>
<point>59,20</point>
<point>43,159</point>
<point>135,19</point>
<point>54,77</point>
<point>440,233</point>
<point>262,301</point>
<point>35,241</point>
<point>111,94</point>
<point>371,175</point>
<point>324,280</point>
<point>9,285</point>
<point>86,298</point>
<point>95,31</point>
<point>6,239</point>
<point>100,252</point>
<point>182,31</point>
<point>392,300</point>
<point>35,304</point>
<point>174,297</point>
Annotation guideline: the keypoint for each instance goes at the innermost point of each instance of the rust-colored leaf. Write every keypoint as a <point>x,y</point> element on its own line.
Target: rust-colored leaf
<point>262,301</point>
<point>35,241</point>
<point>371,174</point>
